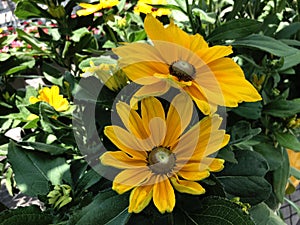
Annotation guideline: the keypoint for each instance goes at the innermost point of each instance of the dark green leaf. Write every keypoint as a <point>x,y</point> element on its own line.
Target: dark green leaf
<point>288,31</point>
<point>25,216</point>
<point>263,215</point>
<point>241,180</point>
<point>29,9</point>
<point>34,171</point>
<point>52,149</point>
<point>270,153</point>
<point>234,29</point>
<point>283,108</point>
<point>216,210</point>
<point>265,43</point>
<point>280,177</point>
<point>6,40</point>
<point>87,180</point>
<point>35,44</point>
<point>242,132</point>
<point>107,207</point>
<point>288,140</point>
<point>249,110</point>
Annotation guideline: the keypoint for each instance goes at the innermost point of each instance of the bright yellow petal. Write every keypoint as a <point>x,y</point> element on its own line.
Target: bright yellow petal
<point>178,118</point>
<point>156,89</point>
<point>129,178</point>
<point>88,9</point>
<point>235,88</point>
<point>213,53</point>
<point>151,108</point>
<point>197,42</point>
<point>158,129</point>
<point>212,164</point>
<point>127,142</point>
<point>189,187</point>
<point>193,175</point>
<point>140,198</point>
<point>121,160</point>
<point>163,195</point>
<point>131,120</point>
<point>33,100</point>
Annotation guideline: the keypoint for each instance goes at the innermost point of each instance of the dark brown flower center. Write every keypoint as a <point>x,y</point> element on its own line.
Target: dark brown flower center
<point>161,160</point>
<point>182,70</point>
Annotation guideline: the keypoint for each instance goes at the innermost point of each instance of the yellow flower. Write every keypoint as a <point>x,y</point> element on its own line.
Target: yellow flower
<point>156,156</point>
<point>92,8</point>
<point>52,97</point>
<point>143,6</point>
<point>187,62</point>
<point>109,74</point>
<point>294,158</point>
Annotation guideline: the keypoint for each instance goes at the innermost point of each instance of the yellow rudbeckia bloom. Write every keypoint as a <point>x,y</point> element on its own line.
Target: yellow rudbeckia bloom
<point>186,62</point>
<point>156,155</point>
<point>92,8</point>
<point>144,6</point>
<point>52,97</point>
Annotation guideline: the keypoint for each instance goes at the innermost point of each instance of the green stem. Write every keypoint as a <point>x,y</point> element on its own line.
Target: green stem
<point>189,13</point>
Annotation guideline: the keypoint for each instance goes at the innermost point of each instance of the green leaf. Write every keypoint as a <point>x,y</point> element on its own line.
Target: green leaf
<point>204,17</point>
<point>281,176</point>
<point>52,149</point>
<point>270,153</point>
<point>107,207</point>
<point>288,140</point>
<point>241,132</point>
<point>266,44</point>
<point>35,44</point>
<point>90,178</point>
<point>241,180</point>
<point>6,40</point>
<point>216,210</point>
<point>34,171</point>
<point>288,31</point>
<point>234,29</point>
<point>29,9</point>
<point>263,215</point>
<point>283,108</point>
<point>25,216</point>
<point>249,110</point>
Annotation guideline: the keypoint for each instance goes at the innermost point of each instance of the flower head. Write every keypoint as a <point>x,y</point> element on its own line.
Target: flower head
<point>52,97</point>
<point>144,6</point>
<point>156,156</point>
<point>187,62</point>
<point>92,8</point>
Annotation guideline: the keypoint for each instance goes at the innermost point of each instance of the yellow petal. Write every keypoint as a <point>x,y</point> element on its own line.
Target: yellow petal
<point>178,118</point>
<point>193,175</point>
<point>158,129</point>
<point>131,120</point>
<point>121,160</point>
<point>33,100</point>
<point>235,88</point>
<point>163,195</point>
<point>88,9</point>
<point>197,42</point>
<point>126,142</point>
<point>213,164</point>
<point>129,178</point>
<point>140,198</point>
<point>213,53</point>
<point>156,89</point>
<point>189,187</point>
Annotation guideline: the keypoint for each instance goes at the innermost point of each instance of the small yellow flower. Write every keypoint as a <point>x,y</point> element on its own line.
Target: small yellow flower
<point>143,6</point>
<point>294,158</point>
<point>92,8</point>
<point>156,155</point>
<point>52,97</point>
<point>121,23</point>
<point>109,74</point>
<point>177,59</point>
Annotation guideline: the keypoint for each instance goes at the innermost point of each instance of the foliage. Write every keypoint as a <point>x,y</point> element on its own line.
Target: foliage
<point>60,150</point>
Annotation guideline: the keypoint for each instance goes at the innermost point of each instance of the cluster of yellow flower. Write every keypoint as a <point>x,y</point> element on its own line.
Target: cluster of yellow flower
<point>156,154</point>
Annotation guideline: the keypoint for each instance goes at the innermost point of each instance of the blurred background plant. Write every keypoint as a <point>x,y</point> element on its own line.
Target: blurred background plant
<point>52,45</point>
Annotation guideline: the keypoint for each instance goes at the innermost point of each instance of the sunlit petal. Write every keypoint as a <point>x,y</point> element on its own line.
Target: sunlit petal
<point>140,198</point>
<point>189,187</point>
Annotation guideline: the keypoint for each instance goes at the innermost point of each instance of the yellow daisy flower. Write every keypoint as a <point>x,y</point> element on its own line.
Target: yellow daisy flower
<point>144,6</point>
<point>187,62</point>
<point>92,8</point>
<point>52,97</point>
<point>156,156</point>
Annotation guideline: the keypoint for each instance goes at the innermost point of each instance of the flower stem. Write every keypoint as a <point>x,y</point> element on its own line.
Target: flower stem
<point>189,13</point>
